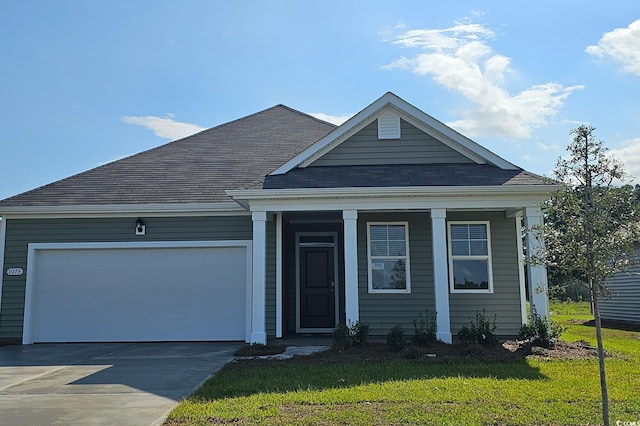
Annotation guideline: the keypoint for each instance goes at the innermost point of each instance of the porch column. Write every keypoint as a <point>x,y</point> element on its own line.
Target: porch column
<point>536,274</point>
<point>440,274</point>
<point>352,310</point>
<point>258,291</point>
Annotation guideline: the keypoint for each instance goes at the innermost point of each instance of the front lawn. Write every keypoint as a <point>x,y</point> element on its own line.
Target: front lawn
<point>427,391</point>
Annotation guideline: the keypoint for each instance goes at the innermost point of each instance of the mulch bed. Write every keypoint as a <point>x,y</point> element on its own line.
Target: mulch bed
<point>437,352</point>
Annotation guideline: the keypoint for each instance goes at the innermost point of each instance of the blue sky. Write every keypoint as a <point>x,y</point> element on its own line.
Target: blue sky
<point>84,82</point>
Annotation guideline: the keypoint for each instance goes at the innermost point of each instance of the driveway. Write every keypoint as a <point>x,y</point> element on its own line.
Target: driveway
<point>102,383</point>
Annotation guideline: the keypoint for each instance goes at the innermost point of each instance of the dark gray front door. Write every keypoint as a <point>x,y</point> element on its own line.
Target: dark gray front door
<point>317,287</point>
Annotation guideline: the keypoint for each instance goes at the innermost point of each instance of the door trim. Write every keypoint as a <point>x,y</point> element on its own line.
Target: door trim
<point>334,237</point>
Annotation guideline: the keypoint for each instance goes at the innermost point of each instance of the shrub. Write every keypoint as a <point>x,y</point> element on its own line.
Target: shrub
<point>346,336</point>
<point>424,328</point>
<point>395,338</point>
<point>359,332</point>
<point>340,337</point>
<point>478,330</point>
<point>541,332</point>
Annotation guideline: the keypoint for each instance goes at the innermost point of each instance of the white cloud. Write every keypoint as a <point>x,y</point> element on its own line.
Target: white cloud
<point>460,59</point>
<point>629,155</point>
<point>548,147</point>
<point>334,119</point>
<point>164,127</point>
<point>622,45</point>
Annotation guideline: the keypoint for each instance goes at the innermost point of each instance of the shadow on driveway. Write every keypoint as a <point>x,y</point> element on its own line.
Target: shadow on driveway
<point>93,383</point>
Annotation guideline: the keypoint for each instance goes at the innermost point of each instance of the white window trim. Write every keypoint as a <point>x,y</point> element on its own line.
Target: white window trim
<point>487,258</point>
<point>406,290</point>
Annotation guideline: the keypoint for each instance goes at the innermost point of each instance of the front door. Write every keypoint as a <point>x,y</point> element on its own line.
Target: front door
<point>316,283</point>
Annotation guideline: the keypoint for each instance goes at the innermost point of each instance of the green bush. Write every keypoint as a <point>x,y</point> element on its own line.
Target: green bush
<point>424,328</point>
<point>541,332</point>
<point>478,330</point>
<point>346,336</point>
<point>395,338</point>
<point>359,332</point>
<point>340,338</point>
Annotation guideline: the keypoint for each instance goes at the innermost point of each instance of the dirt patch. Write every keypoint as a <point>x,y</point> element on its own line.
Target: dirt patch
<point>567,350</point>
<point>438,352</point>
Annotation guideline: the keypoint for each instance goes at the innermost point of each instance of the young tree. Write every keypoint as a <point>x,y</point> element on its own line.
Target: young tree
<point>592,225</point>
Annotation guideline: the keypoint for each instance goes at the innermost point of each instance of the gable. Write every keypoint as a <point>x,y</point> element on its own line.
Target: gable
<point>368,147</point>
<point>386,106</point>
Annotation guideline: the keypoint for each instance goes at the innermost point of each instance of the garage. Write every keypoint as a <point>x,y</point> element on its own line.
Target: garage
<point>156,291</point>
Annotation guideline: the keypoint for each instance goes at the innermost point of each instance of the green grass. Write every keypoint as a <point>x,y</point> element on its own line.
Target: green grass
<point>550,392</point>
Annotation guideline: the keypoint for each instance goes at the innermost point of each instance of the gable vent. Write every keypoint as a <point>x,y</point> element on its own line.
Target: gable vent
<point>389,126</point>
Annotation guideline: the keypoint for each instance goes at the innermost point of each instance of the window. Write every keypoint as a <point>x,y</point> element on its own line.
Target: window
<point>388,256</point>
<point>470,257</point>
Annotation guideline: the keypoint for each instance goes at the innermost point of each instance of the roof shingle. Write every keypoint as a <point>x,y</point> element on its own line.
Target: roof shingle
<point>196,169</point>
<point>401,175</point>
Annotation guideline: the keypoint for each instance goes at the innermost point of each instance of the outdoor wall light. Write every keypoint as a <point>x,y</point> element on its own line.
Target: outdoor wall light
<point>141,228</point>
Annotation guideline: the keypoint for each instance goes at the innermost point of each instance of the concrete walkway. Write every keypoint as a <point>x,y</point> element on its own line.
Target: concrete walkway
<point>102,383</point>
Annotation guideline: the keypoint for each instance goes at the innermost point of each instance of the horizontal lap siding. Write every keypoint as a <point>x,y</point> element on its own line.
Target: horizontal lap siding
<point>21,232</point>
<point>624,305</point>
<point>271,279</point>
<point>505,300</point>
<point>383,311</point>
<point>415,147</point>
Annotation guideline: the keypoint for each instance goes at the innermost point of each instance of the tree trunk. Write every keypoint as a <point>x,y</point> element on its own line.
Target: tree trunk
<point>603,377</point>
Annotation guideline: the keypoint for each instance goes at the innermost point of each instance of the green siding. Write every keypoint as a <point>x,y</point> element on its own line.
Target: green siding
<point>383,311</point>
<point>21,232</point>
<point>271,279</point>
<point>505,300</point>
<point>624,304</point>
<point>414,147</point>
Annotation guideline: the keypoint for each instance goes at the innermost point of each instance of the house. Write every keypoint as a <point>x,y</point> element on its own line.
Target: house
<point>624,303</point>
<point>275,224</point>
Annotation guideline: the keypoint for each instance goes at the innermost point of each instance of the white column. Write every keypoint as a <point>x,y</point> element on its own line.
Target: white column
<point>440,273</point>
<point>537,274</point>
<point>352,309</point>
<point>258,293</point>
<point>279,275</point>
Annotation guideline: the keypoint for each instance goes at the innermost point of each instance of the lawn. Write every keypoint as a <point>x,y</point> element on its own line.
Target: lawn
<point>426,391</point>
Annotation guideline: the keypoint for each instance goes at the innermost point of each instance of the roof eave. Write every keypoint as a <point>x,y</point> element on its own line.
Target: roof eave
<point>159,209</point>
<point>391,192</point>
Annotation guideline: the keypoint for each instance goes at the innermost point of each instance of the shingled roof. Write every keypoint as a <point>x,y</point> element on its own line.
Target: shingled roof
<point>196,169</point>
<point>401,175</point>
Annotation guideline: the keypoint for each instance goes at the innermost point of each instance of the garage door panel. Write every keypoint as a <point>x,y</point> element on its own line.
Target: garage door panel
<point>139,294</point>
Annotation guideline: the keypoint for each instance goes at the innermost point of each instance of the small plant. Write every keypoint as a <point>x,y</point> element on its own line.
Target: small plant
<point>353,335</point>
<point>424,328</point>
<point>340,338</point>
<point>395,338</point>
<point>359,332</point>
<point>541,332</point>
<point>478,330</point>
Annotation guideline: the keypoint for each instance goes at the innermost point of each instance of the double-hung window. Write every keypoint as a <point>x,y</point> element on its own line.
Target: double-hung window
<point>388,257</point>
<point>470,257</point>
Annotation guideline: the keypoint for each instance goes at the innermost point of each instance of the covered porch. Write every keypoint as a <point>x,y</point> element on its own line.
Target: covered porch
<point>322,261</point>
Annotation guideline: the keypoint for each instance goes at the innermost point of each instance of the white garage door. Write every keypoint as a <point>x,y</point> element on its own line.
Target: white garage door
<point>136,293</point>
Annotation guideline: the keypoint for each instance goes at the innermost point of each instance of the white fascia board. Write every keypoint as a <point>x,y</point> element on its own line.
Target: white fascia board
<point>425,122</point>
<point>447,197</point>
<point>125,210</point>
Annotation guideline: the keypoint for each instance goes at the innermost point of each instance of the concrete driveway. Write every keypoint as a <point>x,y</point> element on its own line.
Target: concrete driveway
<point>102,383</point>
